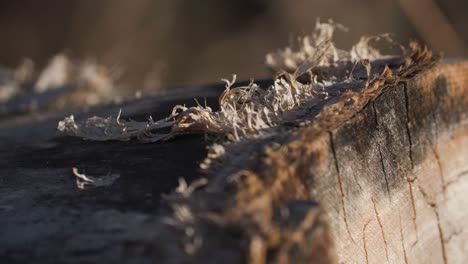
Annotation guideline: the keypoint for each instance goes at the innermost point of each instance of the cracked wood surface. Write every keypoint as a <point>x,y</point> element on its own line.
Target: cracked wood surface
<point>378,167</point>
<point>381,176</point>
<point>386,183</point>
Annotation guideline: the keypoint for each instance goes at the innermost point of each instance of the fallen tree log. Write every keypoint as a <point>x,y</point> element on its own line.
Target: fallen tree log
<point>389,182</point>
<point>373,172</point>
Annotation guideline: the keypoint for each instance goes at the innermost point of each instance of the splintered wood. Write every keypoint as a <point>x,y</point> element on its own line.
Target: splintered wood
<point>344,157</point>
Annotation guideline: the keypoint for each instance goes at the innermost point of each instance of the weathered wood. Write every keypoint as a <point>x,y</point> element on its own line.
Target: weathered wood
<point>382,181</point>
<point>379,172</point>
<point>391,179</point>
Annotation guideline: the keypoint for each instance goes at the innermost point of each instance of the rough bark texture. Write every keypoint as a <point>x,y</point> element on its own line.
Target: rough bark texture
<point>382,181</point>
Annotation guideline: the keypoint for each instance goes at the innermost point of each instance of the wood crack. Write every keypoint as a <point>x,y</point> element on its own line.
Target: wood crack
<point>441,236</point>
<point>402,240</point>
<point>408,122</point>
<point>340,184</point>
<point>384,172</point>
<point>413,207</point>
<point>379,221</point>
<point>441,171</point>
<point>433,205</point>
<point>457,178</point>
<point>434,149</point>
<point>454,234</point>
<point>380,151</point>
<point>364,242</point>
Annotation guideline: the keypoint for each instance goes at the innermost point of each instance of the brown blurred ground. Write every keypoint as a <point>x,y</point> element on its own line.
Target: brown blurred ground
<point>180,42</point>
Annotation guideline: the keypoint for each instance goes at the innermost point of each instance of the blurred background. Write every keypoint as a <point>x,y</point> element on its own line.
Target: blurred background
<point>174,42</point>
